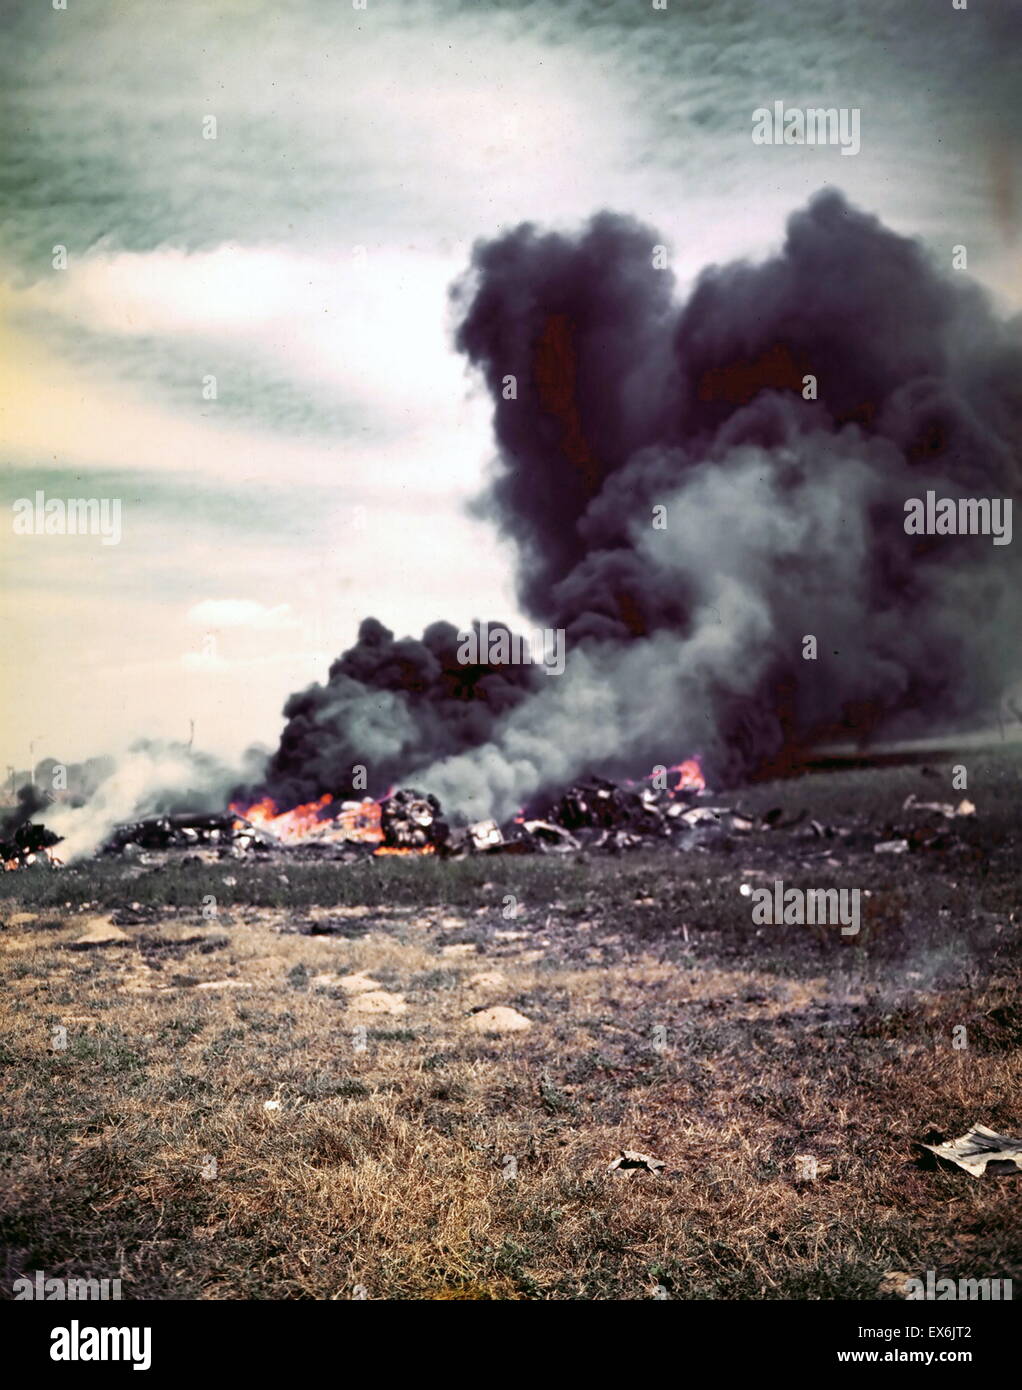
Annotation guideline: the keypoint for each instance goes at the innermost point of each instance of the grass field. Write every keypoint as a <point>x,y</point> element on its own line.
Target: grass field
<point>410,1154</point>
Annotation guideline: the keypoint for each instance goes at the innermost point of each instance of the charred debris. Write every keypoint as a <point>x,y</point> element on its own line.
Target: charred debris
<point>592,815</point>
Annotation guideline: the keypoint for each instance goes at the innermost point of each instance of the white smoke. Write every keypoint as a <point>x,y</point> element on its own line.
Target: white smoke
<point>146,780</point>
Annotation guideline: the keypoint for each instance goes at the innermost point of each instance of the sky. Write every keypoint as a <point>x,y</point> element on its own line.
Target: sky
<point>303,258</point>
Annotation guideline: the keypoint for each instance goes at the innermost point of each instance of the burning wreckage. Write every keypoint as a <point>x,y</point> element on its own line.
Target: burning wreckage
<point>595,814</point>
<point>29,844</point>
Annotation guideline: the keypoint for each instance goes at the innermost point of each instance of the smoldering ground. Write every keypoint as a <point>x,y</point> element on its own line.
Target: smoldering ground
<point>688,508</point>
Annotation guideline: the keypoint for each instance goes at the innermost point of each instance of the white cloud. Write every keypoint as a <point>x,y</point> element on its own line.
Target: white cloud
<point>241,612</point>
<point>375,329</point>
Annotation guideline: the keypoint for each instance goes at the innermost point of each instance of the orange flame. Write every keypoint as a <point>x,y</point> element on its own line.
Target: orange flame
<point>295,824</point>
<point>361,821</point>
<point>690,776</point>
<point>308,822</point>
<point>9,866</point>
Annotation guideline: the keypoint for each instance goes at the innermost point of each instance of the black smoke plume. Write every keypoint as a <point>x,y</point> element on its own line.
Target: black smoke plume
<point>389,706</point>
<point>30,801</point>
<point>778,516</point>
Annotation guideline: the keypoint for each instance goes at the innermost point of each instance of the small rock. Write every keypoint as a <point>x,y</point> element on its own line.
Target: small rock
<point>100,933</point>
<point>487,979</point>
<point>379,1001</point>
<point>359,983</point>
<point>499,1019</point>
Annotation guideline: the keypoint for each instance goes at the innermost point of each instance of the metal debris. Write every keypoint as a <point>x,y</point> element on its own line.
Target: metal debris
<point>180,829</point>
<point>484,835</point>
<point>30,844</point>
<point>592,814</point>
<point>982,1151</point>
<point>550,838</point>
<point>629,1159</point>
<point>412,819</point>
<point>941,808</point>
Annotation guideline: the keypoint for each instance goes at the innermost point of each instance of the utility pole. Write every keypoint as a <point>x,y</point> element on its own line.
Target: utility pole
<point>31,757</point>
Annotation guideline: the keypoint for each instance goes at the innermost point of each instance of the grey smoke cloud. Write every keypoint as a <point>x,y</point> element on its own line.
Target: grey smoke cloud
<point>784,515</point>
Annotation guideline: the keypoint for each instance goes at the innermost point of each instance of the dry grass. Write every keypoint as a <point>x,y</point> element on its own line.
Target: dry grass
<point>388,1168</point>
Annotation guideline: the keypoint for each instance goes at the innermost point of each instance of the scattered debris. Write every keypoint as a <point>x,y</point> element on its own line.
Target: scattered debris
<point>630,1160</point>
<point>981,1150</point>
<point>594,814</point>
<point>701,815</point>
<point>179,830</point>
<point>601,804</point>
<point>29,845</point>
<point>550,838</point>
<point>484,835</point>
<point>942,808</point>
<point>412,820</point>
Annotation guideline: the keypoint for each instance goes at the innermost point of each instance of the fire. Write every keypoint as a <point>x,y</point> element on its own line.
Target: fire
<point>291,825</point>
<point>355,821</point>
<point>690,776</point>
<point>362,821</point>
<point>9,866</point>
